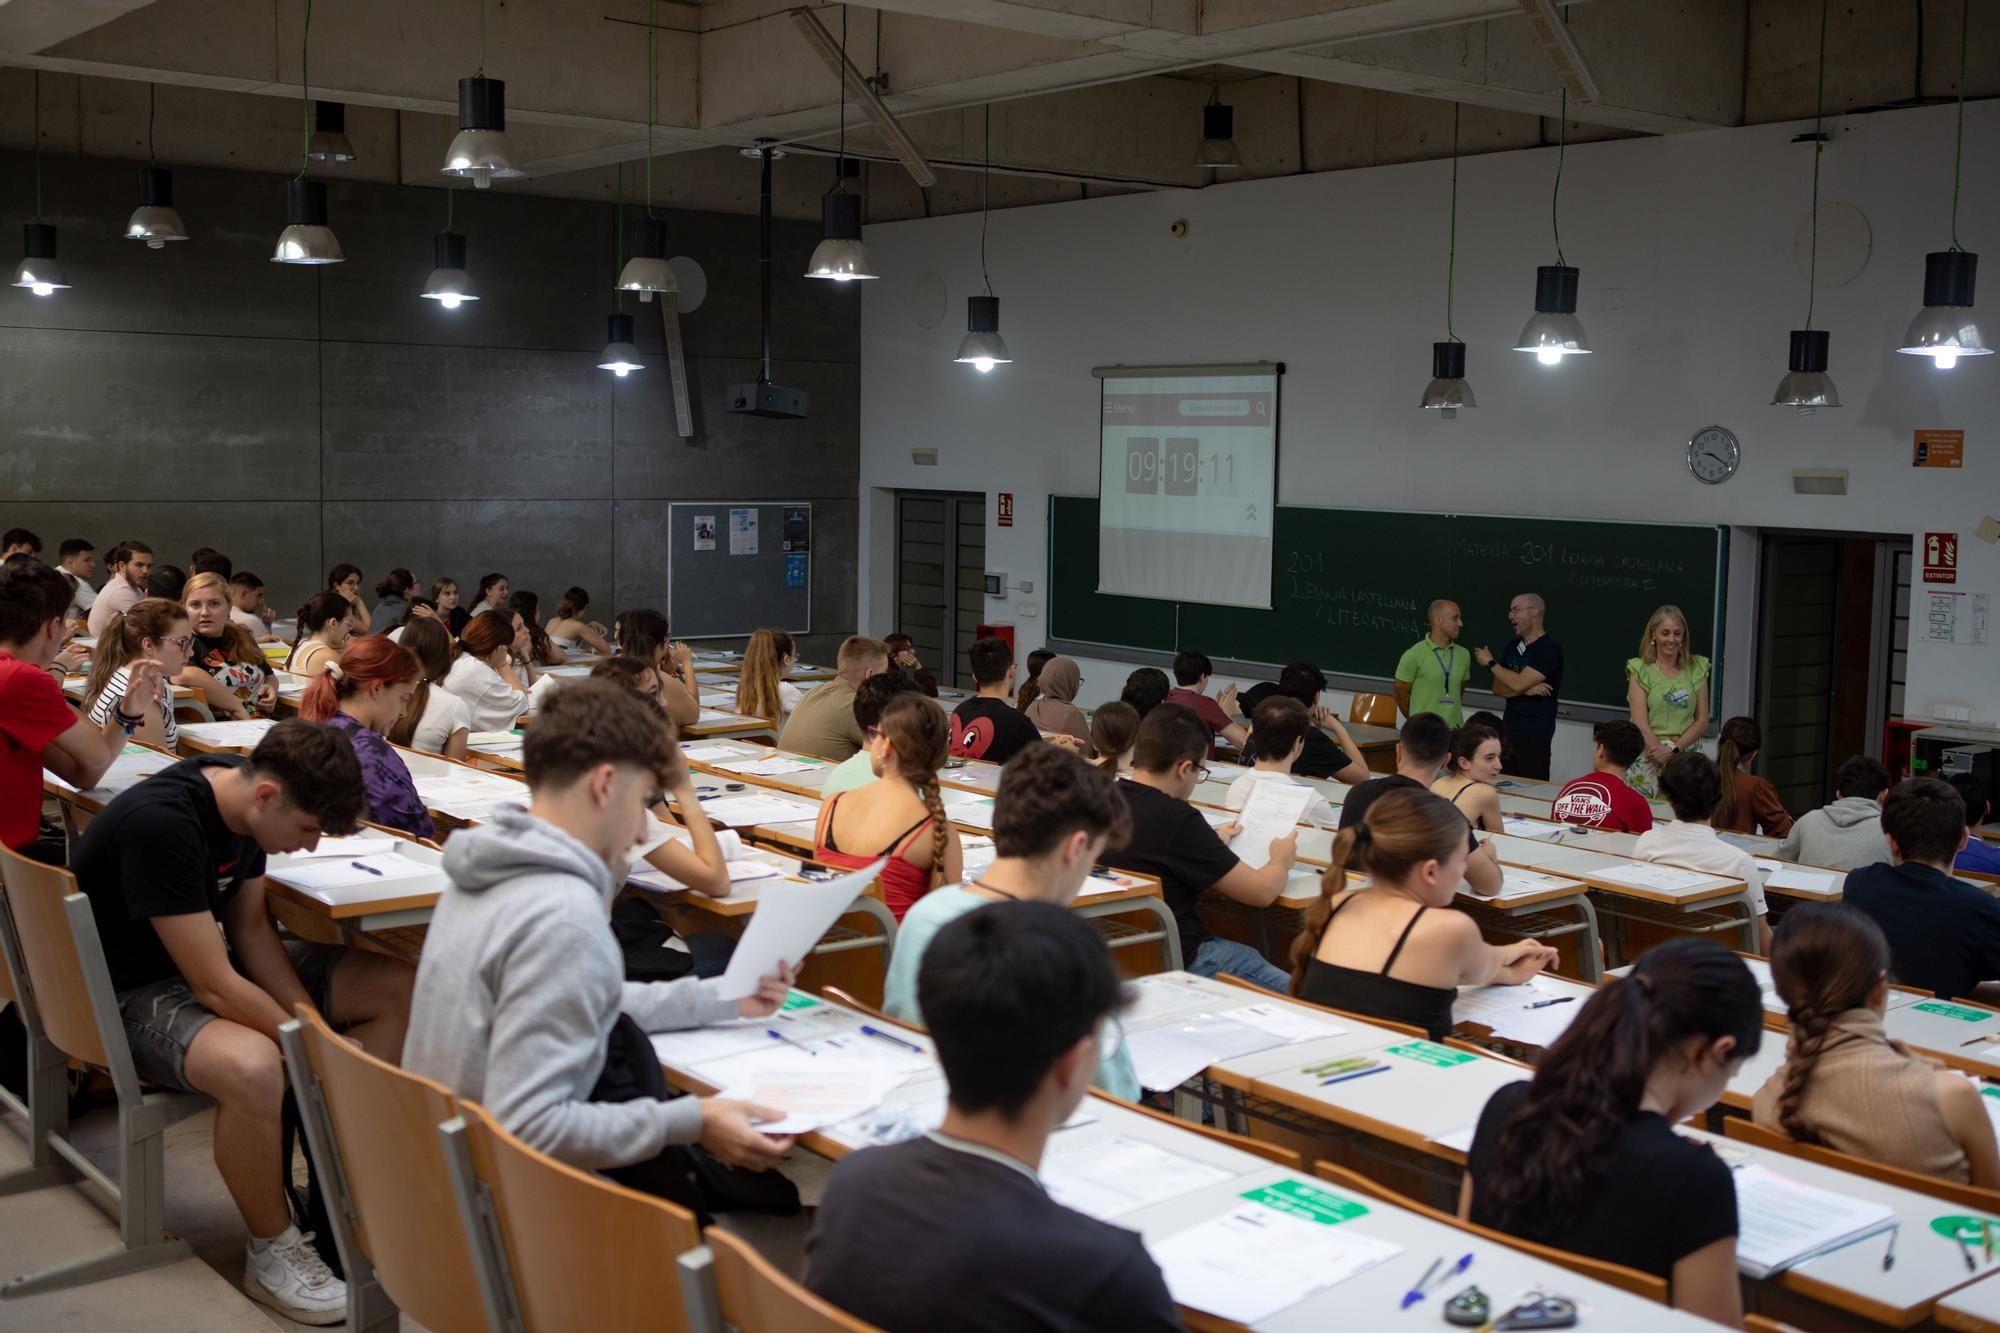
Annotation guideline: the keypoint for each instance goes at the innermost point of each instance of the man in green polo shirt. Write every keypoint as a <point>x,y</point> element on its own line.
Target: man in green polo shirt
<point>1430,678</point>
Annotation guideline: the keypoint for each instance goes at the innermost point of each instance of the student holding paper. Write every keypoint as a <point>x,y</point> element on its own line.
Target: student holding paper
<point>954,1229</point>
<point>521,988</point>
<point>1471,768</point>
<point>901,816</point>
<point>1694,788</point>
<point>1277,737</point>
<point>1365,951</point>
<point>1052,819</point>
<point>1844,1083</point>
<point>1585,1157</point>
<point>361,696</point>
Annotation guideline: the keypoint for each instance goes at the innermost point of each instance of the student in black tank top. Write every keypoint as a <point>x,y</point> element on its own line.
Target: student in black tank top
<point>1382,951</point>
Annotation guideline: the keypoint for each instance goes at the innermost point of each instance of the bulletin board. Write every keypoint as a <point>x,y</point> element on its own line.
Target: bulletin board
<point>737,566</point>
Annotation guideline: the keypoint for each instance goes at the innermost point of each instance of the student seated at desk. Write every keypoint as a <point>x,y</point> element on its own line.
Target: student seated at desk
<point>1114,728</point>
<point>1844,1083</point>
<point>986,726</point>
<point>1031,688</point>
<point>521,1002</point>
<point>903,657</point>
<point>1585,1157</point>
<point>362,696</point>
<point>345,581</point>
<point>392,599</point>
<point>953,1230</point>
<point>154,630</point>
<point>643,634</point>
<point>1421,749</point>
<point>225,665</point>
<point>1693,788</point>
<point>900,816</point>
<point>569,631</point>
<point>247,607</point>
<point>444,593</point>
<point>128,565</point>
<point>1944,934</point>
<point>436,721</point>
<point>540,649</point>
<point>493,593</point>
<point>1277,736</point>
<point>1172,842</point>
<point>1052,820</point>
<point>1381,960</point>
<point>1847,834</point>
<point>870,698</point>
<point>823,722</point>
<point>761,687</point>
<point>167,863</point>
<point>325,623</point>
<point>167,581</point>
<point>1192,671</point>
<point>1602,798</point>
<point>1471,768</point>
<point>487,675</point>
<point>1146,689</point>
<point>1749,803</point>
<point>1977,854</point>
<point>38,729</point>
<point>1323,756</point>
<point>1054,711</point>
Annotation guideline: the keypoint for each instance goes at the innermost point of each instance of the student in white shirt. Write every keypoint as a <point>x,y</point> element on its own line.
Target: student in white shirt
<point>437,721</point>
<point>1277,738</point>
<point>78,559</point>
<point>131,565</point>
<point>1693,786</point>
<point>486,675</point>
<point>246,606</point>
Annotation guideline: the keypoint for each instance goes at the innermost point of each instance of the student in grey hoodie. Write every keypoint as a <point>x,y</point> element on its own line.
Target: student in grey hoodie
<point>521,979</point>
<point>1847,834</point>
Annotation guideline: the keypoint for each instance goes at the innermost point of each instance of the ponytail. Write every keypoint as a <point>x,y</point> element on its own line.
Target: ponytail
<point>319,608</point>
<point>124,641</point>
<point>1553,1150</point>
<point>1402,831</point>
<point>1827,959</point>
<point>1113,729</point>
<point>1741,739</point>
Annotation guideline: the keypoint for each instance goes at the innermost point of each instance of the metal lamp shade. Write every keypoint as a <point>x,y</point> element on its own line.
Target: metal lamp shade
<point>154,221</point>
<point>449,284</point>
<point>480,149</point>
<point>620,357</point>
<point>1553,331</point>
<point>306,238</point>
<point>647,271</point>
<point>38,270</point>
<point>841,257</point>
<point>983,348</point>
<point>1806,385</point>
<point>1448,391</point>
<point>1946,329</point>
<point>1218,139</point>
<point>329,142</point>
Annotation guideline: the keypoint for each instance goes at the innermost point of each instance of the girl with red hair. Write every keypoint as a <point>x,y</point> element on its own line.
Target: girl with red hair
<point>362,693</point>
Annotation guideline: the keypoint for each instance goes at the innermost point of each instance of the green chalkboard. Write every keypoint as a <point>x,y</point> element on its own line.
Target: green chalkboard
<point>1351,586</point>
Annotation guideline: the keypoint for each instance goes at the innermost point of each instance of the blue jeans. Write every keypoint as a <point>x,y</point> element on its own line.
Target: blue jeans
<point>1238,960</point>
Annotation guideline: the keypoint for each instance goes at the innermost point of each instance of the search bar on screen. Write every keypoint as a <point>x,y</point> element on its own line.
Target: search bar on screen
<point>1215,407</point>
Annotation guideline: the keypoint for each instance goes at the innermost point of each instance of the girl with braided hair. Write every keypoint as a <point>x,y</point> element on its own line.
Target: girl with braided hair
<point>1844,1084</point>
<point>902,814</point>
<point>1363,950</point>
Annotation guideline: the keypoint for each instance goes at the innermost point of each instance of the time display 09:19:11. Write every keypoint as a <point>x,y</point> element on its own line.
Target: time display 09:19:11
<point>1176,467</point>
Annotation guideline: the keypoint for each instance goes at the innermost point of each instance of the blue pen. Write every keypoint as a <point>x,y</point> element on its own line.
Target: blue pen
<point>773,1032</point>
<point>1360,1073</point>
<point>1416,1293</point>
<point>878,1032</point>
<point>370,869</point>
<point>1464,1262</point>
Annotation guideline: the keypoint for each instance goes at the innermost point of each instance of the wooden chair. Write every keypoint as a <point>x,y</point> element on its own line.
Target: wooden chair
<point>1625,1279</point>
<point>726,1280</point>
<point>373,1133</point>
<point>62,988</point>
<point>557,1248</point>
<point>1776,1140</point>
<point>1378,710</point>
<point>839,996</point>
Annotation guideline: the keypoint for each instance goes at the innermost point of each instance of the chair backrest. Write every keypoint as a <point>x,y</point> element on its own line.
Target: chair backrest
<point>1776,1140</point>
<point>1616,1275</point>
<point>755,1295</point>
<point>1377,710</point>
<point>582,1251</point>
<point>840,996</point>
<point>57,975</point>
<point>384,1124</point>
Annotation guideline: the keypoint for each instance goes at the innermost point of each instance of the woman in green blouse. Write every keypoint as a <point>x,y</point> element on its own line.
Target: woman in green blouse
<point>1667,691</point>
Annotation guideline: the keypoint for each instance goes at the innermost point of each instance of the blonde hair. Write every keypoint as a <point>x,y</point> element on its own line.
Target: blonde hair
<point>1647,652</point>
<point>757,692</point>
<point>242,647</point>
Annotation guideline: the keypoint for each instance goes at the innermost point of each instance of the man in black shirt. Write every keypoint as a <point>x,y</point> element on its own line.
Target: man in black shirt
<point>1529,677</point>
<point>954,1230</point>
<point>1944,934</point>
<point>1171,841</point>
<point>988,726</point>
<point>1419,754</point>
<point>1336,757</point>
<point>163,866</point>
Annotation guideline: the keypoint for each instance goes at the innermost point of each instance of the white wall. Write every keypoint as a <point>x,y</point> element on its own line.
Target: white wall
<point>1689,284</point>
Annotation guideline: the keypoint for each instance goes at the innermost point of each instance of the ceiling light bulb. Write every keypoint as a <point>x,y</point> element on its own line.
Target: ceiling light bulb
<point>983,348</point>
<point>1553,331</point>
<point>1945,359</point>
<point>982,364</point>
<point>619,357</point>
<point>306,239</point>
<point>449,284</point>
<point>479,150</point>
<point>1448,391</point>
<point>1947,328</point>
<point>44,289</point>
<point>449,300</point>
<point>621,371</point>
<point>1549,356</point>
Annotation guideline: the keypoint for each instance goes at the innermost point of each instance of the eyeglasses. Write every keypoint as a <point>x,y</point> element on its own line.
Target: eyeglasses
<point>1200,773</point>
<point>185,642</point>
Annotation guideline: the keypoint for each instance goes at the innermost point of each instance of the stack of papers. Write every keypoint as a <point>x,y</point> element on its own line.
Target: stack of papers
<point>1169,1055</point>
<point>1781,1223</point>
<point>1272,811</point>
<point>1661,879</point>
<point>791,918</point>
<point>340,880</point>
<point>964,807</point>
<point>1777,875</point>
<point>979,854</point>
<point>495,740</point>
<point>708,718</point>
<point>1161,995</point>
<point>1109,1176</point>
<point>470,795</point>
<point>133,764</point>
<point>709,754</point>
<point>813,1090</point>
<point>1521,827</point>
<point>1505,1011</point>
<point>742,811</point>
<point>229,735</point>
<point>1766,984</point>
<point>1515,883</point>
<point>765,768</point>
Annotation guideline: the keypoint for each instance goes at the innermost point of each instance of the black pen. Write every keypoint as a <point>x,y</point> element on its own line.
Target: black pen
<point>1543,1004</point>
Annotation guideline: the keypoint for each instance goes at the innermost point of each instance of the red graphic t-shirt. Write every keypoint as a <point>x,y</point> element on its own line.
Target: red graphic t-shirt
<point>1603,800</point>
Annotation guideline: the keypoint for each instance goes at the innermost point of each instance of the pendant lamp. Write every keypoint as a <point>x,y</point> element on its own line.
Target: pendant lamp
<point>38,271</point>
<point>154,221</point>
<point>1218,135</point>
<point>1448,391</point>
<point>840,256</point>
<point>1553,331</point>
<point>620,356</point>
<point>479,151</point>
<point>1806,385</point>
<point>329,138</point>
<point>983,348</point>
<point>1946,329</point>
<point>646,271</point>
<point>306,239</point>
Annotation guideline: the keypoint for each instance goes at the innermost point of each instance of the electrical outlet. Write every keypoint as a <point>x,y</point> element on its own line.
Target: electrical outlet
<point>1027,586</point>
<point>1027,609</point>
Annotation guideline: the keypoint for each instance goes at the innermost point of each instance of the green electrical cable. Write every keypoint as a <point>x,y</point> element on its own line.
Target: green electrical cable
<point>1451,251</point>
<point>1958,153</point>
<point>305,96</point>
<point>1819,142</point>
<point>38,145</point>
<point>652,104</point>
<point>479,73</point>
<point>986,200</point>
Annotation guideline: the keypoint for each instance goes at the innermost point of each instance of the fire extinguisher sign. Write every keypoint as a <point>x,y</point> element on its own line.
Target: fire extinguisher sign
<point>1940,557</point>
<point>1006,509</point>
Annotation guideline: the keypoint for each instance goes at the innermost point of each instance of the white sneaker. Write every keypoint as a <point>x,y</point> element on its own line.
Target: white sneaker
<point>289,1276</point>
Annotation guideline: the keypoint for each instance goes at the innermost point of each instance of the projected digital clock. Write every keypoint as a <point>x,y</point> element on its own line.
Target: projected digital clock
<point>1177,466</point>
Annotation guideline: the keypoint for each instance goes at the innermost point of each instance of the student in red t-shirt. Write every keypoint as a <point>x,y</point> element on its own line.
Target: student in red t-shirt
<point>38,728</point>
<point>1602,798</point>
<point>1191,673</point>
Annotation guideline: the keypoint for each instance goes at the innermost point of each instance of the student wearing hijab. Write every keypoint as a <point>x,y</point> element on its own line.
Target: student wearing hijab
<point>1055,710</point>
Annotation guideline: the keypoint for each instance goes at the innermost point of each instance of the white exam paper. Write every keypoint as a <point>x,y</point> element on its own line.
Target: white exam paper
<point>346,847</point>
<point>1167,1056</point>
<point>1784,875</point>
<point>1646,875</point>
<point>1283,1021</point>
<point>745,810</point>
<point>1272,811</point>
<point>1254,1261</point>
<point>243,731</point>
<point>709,754</point>
<point>1521,827</point>
<point>1109,1176</point>
<point>791,917</point>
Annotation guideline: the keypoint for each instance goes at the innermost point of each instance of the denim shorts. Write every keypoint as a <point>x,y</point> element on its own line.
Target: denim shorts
<point>162,1017</point>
